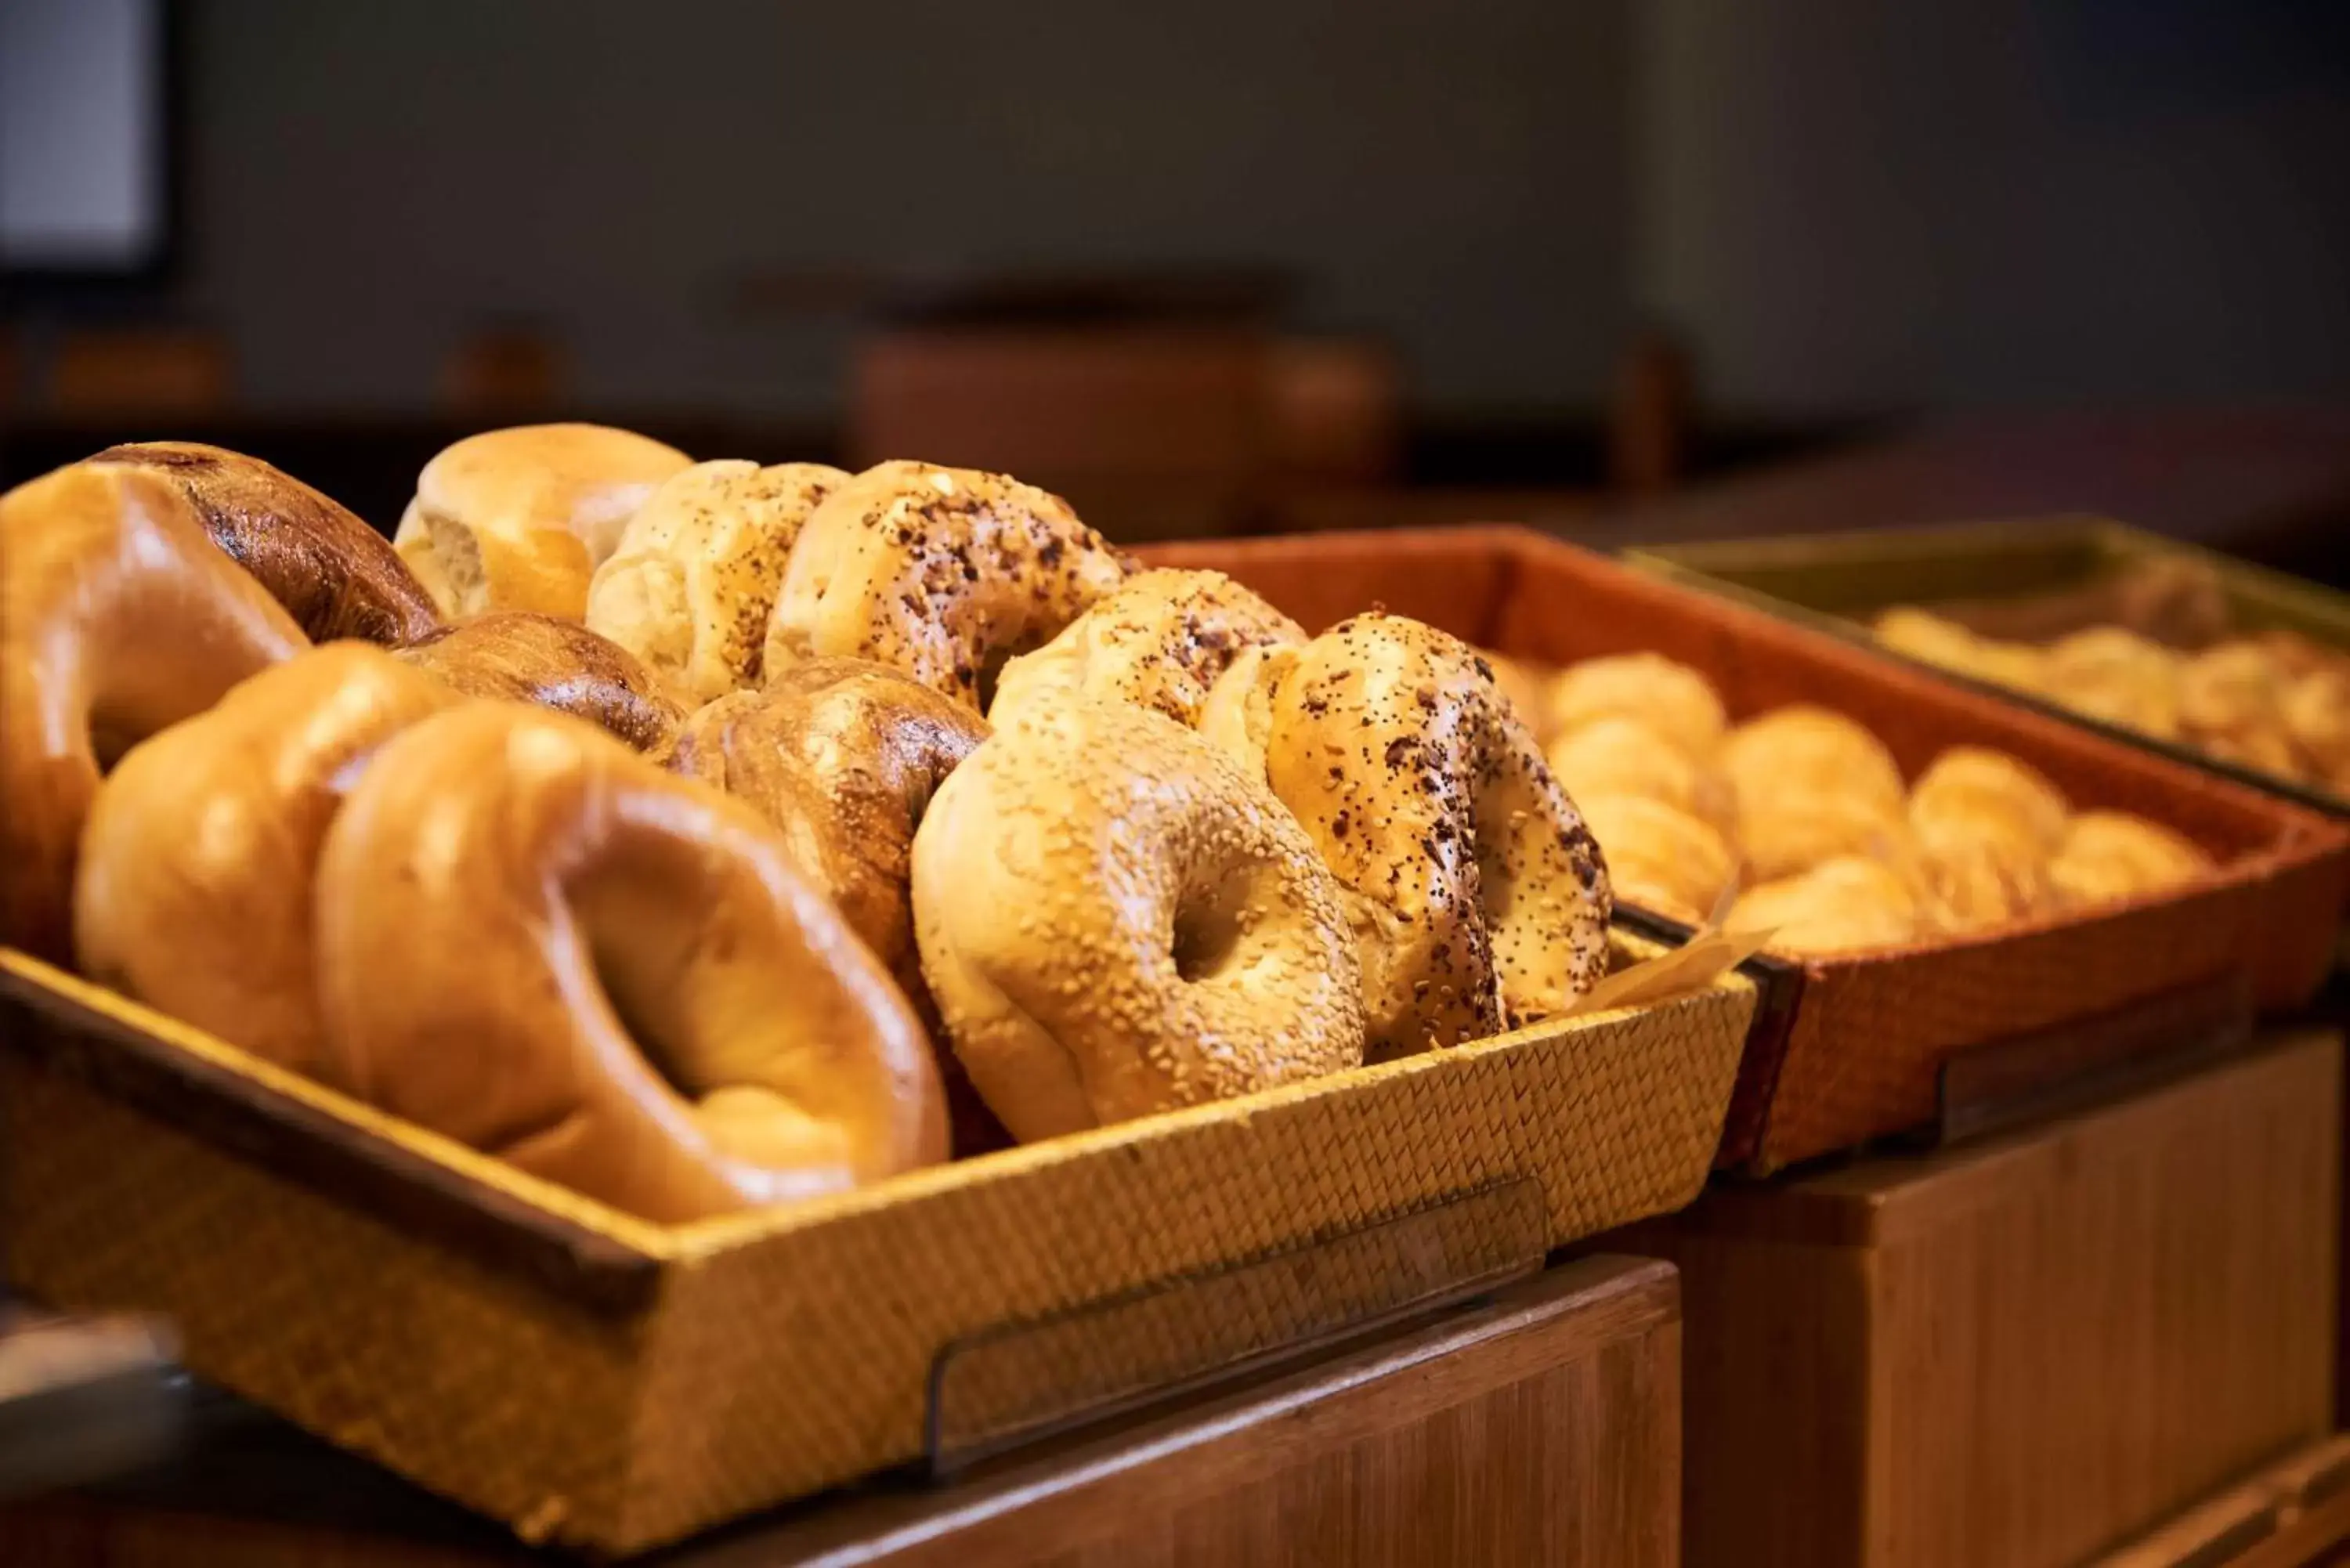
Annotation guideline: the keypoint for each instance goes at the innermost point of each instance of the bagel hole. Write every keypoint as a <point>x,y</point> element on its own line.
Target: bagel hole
<point>1207,931</point>
<point>991,671</point>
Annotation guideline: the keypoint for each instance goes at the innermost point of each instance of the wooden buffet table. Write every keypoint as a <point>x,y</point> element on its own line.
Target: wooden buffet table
<point>1541,1425</point>
<point>2025,1351</point>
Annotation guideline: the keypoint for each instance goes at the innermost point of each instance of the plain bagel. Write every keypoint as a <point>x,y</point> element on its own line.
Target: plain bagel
<point>654,1007</point>
<point>200,856</point>
<point>519,519</point>
<point>335,576</point>
<point>1116,920</point>
<point>118,618</point>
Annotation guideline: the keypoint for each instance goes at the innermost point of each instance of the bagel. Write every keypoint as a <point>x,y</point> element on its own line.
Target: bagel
<point>335,576</point>
<point>199,859</point>
<point>1115,919</point>
<point>1526,689</point>
<point>1670,698</point>
<point>1162,638</point>
<point>558,664</point>
<point>692,581</point>
<point>538,943</point>
<point>519,519</point>
<point>843,755</point>
<point>944,573</point>
<point>1477,894</point>
<point>118,618</point>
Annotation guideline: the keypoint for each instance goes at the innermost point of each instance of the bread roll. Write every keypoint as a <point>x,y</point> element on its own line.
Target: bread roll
<point>1804,750</point>
<point>1976,782</point>
<point>1616,755</point>
<point>1848,904</point>
<point>2118,675</point>
<point>1670,698</point>
<point>1659,856</point>
<point>520,519</point>
<point>2109,855</point>
<point>693,580</point>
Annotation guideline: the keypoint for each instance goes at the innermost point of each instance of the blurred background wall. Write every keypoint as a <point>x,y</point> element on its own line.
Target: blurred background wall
<point>1493,257</point>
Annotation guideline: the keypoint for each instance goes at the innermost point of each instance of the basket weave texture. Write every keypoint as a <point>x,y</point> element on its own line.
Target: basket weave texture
<point>622,1385</point>
<point>1859,1053</point>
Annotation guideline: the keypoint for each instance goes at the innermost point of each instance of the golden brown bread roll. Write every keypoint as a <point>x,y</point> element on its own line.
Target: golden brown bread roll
<point>1670,698</point>
<point>2109,673</point>
<point>1617,755</point>
<point>1115,919</point>
<point>1478,897</point>
<point>693,579</point>
<point>1930,639</point>
<point>1976,780</point>
<point>1806,749</point>
<point>1659,856</point>
<point>2109,855</point>
<point>944,573</point>
<point>118,618</point>
<point>1795,828</point>
<point>199,860</point>
<point>1161,640</point>
<point>558,664</point>
<point>538,943</point>
<point>335,576</point>
<point>2317,716</point>
<point>520,519</point>
<point>1839,906</point>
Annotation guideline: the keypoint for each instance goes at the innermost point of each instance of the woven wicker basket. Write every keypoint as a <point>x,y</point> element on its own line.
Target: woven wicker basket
<point>1856,1051</point>
<point>1985,572</point>
<point>595,1380</point>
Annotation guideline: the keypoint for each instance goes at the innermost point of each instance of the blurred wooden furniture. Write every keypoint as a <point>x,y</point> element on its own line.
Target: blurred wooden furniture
<point>1335,411</point>
<point>1152,432</point>
<point>1541,1425</point>
<point>1649,416</point>
<point>504,374</point>
<point>2021,1351</point>
<point>138,372</point>
<point>2292,1514</point>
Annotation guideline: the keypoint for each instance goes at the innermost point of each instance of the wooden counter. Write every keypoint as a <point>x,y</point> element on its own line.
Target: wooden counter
<point>2023,1352</point>
<point>1540,1427</point>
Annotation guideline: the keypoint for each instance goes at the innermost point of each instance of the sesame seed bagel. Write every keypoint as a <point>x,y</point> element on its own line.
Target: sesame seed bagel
<point>694,581</point>
<point>118,618</point>
<point>1161,640</point>
<point>199,860</point>
<point>1116,920</point>
<point>942,573</point>
<point>538,943</point>
<point>1479,898</point>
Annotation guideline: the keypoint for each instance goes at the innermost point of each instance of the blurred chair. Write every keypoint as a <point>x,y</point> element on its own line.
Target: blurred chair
<point>1649,415</point>
<point>1335,410</point>
<point>112,372</point>
<point>1150,430</point>
<point>504,373</point>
